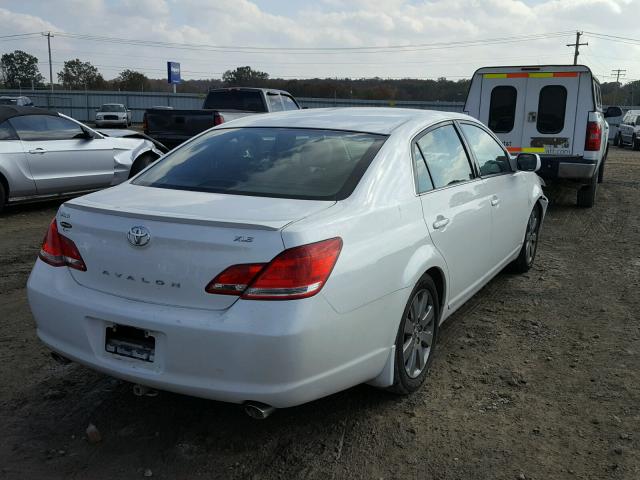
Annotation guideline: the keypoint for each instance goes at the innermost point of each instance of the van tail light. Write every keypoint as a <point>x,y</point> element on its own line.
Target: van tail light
<point>217,119</point>
<point>594,137</point>
<point>58,250</point>
<point>298,272</point>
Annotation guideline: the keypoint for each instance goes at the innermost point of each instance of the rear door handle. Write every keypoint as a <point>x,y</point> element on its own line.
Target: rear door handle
<point>495,201</point>
<point>440,222</point>
<point>38,150</point>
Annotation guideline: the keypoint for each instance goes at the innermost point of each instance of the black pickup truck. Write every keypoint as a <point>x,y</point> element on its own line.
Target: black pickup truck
<point>172,127</point>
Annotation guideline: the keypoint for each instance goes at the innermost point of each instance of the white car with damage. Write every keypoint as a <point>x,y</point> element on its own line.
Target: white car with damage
<point>45,155</point>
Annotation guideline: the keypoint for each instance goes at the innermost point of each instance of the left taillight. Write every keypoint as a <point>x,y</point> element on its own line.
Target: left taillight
<point>594,137</point>
<point>298,272</point>
<point>59,251</point>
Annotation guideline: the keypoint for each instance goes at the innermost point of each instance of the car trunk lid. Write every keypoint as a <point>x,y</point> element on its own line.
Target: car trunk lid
<point>192,236</point>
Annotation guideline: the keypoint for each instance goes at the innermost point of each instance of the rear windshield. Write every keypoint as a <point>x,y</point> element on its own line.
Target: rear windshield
<point>235,100</point>
<point>271,162</point>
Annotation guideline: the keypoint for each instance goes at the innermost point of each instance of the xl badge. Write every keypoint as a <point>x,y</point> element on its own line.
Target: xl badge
<point>138,236</point>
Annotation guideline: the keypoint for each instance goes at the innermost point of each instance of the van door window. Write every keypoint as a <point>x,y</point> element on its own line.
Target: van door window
<point>502,108</point>
<point>552,105</point>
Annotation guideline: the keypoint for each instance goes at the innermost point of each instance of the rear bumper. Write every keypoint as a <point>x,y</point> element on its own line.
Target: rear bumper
<point>567,167</point>
<point>278,353</point>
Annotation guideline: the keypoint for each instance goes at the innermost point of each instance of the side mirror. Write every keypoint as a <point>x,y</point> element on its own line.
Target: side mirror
<point>528,162</point>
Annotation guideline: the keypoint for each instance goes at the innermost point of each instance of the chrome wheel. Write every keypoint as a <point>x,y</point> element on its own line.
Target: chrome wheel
<point>531,237</point>
<point>419,326</point>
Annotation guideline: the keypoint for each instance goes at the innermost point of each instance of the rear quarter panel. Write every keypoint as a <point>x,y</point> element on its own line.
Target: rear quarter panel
<point>386,244</point>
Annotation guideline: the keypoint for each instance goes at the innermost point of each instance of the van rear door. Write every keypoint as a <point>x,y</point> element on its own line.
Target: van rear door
<point>502,105</point>
<point>550,112</point>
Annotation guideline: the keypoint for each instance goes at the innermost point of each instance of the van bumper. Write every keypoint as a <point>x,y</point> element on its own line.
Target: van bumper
<point>567,167</point>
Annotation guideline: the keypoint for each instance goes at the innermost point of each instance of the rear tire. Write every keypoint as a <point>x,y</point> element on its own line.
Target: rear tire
<point>141,163</point>
<point>587,193</point>
<point>527,255</point>
<point>601,169</point>
<point>616,140</point>
<point>416,338</point>
<point>3,197</point>
<point>635,143</point>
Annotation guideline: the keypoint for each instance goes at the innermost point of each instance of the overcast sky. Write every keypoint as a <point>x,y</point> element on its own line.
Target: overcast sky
<point>305,24</point>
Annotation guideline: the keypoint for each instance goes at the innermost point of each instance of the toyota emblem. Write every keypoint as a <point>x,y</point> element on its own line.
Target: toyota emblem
<point>138,236</point>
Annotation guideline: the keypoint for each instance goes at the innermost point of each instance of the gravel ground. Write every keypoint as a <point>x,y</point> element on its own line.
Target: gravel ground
<point>536,377</point>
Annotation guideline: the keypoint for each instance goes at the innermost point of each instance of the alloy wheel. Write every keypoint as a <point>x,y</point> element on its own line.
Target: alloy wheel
<point>419,327</point>
<point>531,238</point>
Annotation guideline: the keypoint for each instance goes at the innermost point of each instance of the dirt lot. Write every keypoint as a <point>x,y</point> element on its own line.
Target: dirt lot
<point>537,377</point>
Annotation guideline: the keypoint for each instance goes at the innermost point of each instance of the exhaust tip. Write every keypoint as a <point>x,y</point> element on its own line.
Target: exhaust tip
<point>60,359</point>
<point>144,391</point>
<point>257,410</point>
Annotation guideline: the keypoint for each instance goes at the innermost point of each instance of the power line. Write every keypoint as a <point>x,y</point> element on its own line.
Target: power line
<point>314,50</point>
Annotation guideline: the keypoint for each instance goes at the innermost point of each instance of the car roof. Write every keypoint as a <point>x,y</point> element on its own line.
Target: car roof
<point>119,104</point>
<point>633,112</point>
<point>10,111</point>
<point>381,120</point>
<point>250,89</point>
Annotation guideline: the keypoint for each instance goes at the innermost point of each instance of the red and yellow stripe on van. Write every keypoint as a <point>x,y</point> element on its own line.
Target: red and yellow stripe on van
<point>525,149</point>
<point>531,75</point>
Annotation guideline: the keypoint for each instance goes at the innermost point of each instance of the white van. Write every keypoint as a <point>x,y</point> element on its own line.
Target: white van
<point>554,111</point>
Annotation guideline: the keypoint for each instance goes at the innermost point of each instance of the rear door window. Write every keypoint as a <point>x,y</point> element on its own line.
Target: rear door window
<point>445,156</point>
<point>552,105</point>
<point>502,109</point>
<point>289,103</point>
<point>270,162</point>
<point>275,104</point>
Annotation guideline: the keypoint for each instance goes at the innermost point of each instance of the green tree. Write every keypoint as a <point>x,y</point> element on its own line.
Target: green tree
<point>244,76</point>
<point>78,75</point>
<point>130,80</point>
<point>20,69</point>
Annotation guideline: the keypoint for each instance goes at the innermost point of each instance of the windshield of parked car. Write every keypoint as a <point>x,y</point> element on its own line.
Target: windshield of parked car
<point>246,100</point>
<point>271,162</point>
<point>112,108</point>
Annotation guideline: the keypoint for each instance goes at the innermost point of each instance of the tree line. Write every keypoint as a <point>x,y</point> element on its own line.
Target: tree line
<point>19,69</point>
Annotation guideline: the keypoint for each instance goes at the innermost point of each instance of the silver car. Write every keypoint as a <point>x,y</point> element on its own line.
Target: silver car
<point>45,155</point>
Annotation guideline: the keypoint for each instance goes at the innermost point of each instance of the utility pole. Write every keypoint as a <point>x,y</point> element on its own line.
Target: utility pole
<point>577,46</point>
<point>48,35</point>
<point>618,72</point>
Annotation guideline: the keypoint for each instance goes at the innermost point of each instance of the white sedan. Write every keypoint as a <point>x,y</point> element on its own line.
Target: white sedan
<point>281,258</point>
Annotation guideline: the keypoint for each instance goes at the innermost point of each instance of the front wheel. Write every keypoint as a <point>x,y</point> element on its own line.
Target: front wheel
<point>527,254</point>
<point>416,338</point>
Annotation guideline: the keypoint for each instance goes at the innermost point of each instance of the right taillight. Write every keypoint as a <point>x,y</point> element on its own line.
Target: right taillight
<point>58,250</point>
<point>594,137</point>
<point>298,272</point>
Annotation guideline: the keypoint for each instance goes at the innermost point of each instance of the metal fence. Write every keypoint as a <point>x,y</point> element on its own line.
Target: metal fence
<point>82,105</point>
